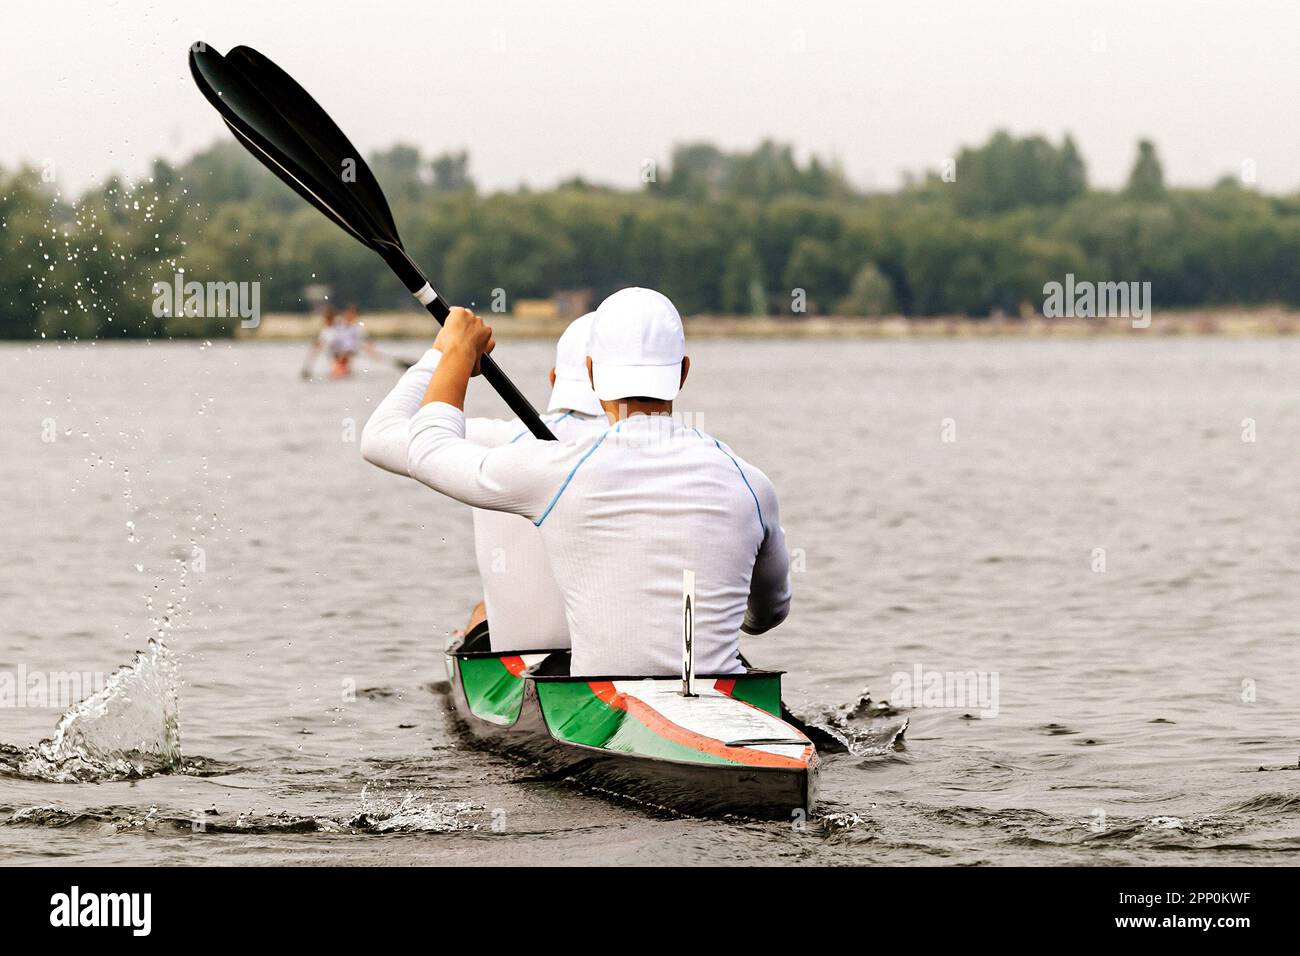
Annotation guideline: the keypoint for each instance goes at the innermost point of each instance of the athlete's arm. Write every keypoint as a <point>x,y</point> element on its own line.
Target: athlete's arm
<point>519,478</point>
<point>384,439</point>
<point>769,588</point>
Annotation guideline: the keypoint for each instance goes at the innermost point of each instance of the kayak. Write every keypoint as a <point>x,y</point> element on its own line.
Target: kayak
<point>724,750</point>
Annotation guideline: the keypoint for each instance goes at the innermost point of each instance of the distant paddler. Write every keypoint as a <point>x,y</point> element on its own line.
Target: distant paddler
<point>325,340</point>
<point>350,340</point>
<point>341,337</point>
<point>520,596</point>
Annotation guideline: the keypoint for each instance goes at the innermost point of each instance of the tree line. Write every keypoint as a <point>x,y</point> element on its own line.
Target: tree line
<point>758,232</point>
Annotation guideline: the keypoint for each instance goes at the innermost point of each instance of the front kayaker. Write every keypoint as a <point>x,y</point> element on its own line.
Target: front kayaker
<point>520,597</point>
<point>622,513</point>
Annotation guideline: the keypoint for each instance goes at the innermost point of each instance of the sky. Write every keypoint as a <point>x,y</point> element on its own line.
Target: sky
<point>541,91</point>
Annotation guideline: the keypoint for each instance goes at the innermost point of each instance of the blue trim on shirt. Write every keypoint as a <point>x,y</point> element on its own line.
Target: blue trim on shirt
<point>759,508</point>
<point>553,421</point>
<point>568,479</point>
<point>741,471</point>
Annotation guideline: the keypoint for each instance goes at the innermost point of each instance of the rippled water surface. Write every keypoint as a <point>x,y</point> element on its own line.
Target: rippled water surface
<point>290,710</point>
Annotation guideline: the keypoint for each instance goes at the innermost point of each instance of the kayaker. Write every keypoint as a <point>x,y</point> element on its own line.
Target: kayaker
<point>350,338</point>
<point>622,512</point>
<point>324,341</point>
<point>520,597</point>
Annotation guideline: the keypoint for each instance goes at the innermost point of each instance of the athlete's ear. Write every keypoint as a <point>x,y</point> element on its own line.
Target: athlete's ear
<point>591,376</point>
<point>552,378</point>
<point>686,367</point>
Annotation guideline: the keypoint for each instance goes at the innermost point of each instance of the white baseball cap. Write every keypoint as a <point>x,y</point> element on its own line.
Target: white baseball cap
<point>572,389</point>
<point>637,345</point>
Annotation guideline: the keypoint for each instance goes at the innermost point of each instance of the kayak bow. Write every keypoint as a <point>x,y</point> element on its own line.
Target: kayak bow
<point>725,750</point>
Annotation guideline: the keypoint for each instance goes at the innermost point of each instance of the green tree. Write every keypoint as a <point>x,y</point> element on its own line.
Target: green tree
<point>451,173</point>
<point>23,224</point>
<point>1073,171</point>
<point>697,171</point>
<point>870,294</point>
<point>401,172</point>
<point>1146,182</point>
<point>1008,172</point>
<point>743,291</point>
<point>702,171</point>
<point>814,269</point>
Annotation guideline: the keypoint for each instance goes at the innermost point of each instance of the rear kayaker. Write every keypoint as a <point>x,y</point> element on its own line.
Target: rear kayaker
<point>724,750</point>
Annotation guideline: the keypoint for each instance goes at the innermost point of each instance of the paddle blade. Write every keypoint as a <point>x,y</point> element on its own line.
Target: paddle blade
<point>301,111</point>
<point>288,132</point>
<point>263,131</point>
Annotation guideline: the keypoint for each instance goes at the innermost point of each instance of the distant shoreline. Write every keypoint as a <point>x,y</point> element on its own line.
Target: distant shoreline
<point>281,326</point>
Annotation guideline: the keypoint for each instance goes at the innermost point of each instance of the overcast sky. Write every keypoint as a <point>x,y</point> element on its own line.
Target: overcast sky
<point>544,89</point>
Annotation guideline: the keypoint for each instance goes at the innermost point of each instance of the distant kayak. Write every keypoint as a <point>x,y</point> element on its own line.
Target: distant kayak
<point>726,750</point>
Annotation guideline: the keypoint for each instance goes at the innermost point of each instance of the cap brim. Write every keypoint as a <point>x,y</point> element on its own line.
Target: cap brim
<point>613,382</point>
<point>571,395</point>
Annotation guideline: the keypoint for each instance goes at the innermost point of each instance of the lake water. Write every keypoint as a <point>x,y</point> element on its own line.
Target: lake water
<point>1085,525</point>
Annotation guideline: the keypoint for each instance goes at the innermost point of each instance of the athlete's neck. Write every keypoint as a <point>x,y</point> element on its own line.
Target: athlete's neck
<point>626,408</point>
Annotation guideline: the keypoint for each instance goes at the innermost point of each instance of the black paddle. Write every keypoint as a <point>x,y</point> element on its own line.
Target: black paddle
<point>396,360</point>
<point>279,123</point>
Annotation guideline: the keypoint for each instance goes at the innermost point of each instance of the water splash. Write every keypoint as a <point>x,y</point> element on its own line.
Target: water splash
<point>129,729</point>
<point>382,814</point>
<point>838,820</point>
<point>411,813</point>
<point>863,728</point>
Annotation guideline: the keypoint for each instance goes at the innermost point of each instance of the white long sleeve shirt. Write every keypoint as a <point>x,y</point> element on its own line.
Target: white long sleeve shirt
<point>621,514</point>
<point>525,609</point>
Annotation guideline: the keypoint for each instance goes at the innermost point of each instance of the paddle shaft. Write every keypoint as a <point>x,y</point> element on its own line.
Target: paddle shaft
<point>400,262</point>
<point>499,381</point>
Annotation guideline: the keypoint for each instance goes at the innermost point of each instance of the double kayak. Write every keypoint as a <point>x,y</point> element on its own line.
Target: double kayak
<point>723,750</point>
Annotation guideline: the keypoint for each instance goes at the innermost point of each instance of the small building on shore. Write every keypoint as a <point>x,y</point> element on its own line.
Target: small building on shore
<point>563,304</point>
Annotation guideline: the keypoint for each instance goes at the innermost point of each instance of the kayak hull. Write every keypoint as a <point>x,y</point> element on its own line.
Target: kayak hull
<point>724,751</point>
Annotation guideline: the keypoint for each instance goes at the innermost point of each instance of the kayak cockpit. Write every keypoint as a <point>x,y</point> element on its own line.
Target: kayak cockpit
<point>494,679</point>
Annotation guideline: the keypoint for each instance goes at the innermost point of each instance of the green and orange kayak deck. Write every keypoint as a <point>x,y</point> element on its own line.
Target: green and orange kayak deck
<point>725,750</point>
